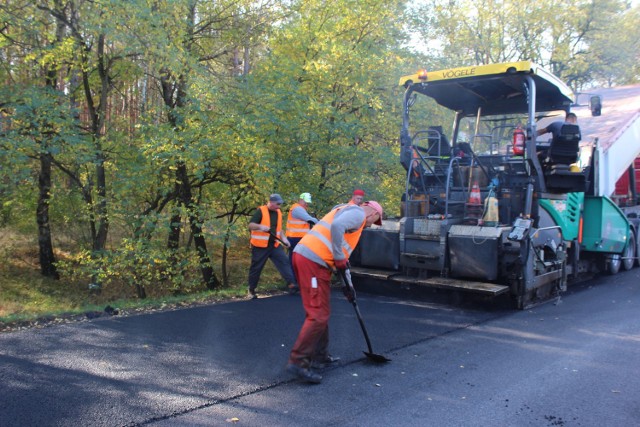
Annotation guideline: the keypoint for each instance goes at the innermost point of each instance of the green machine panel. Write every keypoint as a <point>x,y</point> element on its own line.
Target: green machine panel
<point>565,213</point>
<point>605,227</point>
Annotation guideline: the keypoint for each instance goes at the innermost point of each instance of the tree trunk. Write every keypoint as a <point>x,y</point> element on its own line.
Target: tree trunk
<point>101,216</point>
<point>99,221</point>
<point>186,199</point>
<point>227,237</point>
<point>47,257</point>
<point>173,241</point>
<point>45,244</point>
<point>174,95</point>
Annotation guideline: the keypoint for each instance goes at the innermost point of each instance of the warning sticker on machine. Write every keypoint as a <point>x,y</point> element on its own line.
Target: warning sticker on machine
<point>559,205</point>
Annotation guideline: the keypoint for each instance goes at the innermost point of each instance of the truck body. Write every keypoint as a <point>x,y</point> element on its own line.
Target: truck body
<point>494,208</point>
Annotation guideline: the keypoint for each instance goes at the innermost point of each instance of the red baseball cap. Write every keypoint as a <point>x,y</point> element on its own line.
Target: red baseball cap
<point>358,192</point>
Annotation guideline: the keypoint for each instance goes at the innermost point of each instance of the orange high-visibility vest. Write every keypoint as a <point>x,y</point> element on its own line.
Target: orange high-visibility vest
<point>260,239</point>
<point>318,240</point>
<point>416,162</point>
<point>296,227</point>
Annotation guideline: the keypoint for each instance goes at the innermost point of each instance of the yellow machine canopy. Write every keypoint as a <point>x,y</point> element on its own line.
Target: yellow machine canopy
<point>495,88</point>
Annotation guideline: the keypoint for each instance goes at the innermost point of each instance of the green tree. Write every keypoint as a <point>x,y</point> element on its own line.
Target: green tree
<point>322,118</point>
<point>573,42</point>
<point>204,39</point>
<point>37,114</point>
<point>616,50</point>
<point>39,129</point>
<point>96,56</point>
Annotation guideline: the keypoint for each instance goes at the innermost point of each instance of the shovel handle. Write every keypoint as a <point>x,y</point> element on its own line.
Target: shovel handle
<point>346,281</point>
<point>364,329</point>
<point>278,239</point>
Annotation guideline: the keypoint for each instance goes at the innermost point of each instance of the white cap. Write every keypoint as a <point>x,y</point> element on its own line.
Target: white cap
<point>306,197</point>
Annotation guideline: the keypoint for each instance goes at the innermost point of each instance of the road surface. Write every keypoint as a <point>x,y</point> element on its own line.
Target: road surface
<point>572,364</point>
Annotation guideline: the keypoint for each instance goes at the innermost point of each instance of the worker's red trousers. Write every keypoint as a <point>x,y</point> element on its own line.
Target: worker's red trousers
<point>315,288</point>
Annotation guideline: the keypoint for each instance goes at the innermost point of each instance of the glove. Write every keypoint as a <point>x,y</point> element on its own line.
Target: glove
<point>342,264</point>
<point>348,293</point>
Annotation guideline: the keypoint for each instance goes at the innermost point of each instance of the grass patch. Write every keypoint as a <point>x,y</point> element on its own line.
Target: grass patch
<point>26,295</point>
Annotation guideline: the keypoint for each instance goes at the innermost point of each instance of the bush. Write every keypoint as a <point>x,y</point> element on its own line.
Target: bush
<point>139,268</point>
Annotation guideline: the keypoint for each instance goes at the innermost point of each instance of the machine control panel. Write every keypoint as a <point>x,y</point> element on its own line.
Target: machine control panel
<point>520,229</point>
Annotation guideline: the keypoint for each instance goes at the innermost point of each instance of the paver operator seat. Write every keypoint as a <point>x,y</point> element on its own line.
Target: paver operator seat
<point>557,165</point>
<point>565,146</point>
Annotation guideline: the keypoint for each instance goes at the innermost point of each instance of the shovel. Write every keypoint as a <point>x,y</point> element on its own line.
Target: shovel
<point>279,239</point>
<point>345,276</point>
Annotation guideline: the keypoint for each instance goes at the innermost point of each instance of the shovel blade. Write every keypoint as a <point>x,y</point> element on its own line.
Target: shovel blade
<point>378,358</point>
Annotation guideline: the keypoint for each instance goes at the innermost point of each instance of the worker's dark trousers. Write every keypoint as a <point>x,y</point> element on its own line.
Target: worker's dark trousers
<point>293,241</point>
<point>313,339</point>
<point>259,257</point>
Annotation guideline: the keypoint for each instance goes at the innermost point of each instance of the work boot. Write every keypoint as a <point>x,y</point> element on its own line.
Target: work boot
<point>304,374</point>
<point>324,362</point>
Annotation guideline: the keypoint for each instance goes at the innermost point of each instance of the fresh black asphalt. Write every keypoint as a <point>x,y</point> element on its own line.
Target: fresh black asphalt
<point>575,363</point>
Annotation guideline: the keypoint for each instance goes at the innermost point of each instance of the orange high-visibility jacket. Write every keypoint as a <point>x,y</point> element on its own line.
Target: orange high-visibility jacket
<point>296,227</point>
<point>260,239</point>
<point>318,240</point>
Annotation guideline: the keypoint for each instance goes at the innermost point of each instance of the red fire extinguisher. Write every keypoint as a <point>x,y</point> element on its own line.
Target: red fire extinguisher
<point>518,141</point>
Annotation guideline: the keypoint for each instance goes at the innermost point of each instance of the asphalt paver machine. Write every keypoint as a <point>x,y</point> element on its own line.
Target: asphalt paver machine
<point>490,206</point>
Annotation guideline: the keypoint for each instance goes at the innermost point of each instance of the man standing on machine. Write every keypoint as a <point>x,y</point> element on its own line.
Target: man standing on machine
<point>357,197</point>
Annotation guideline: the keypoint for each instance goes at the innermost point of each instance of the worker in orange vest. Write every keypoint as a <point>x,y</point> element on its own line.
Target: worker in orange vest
<point>322,250</point>
<point>299,222</point>
<point>266,235</point>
